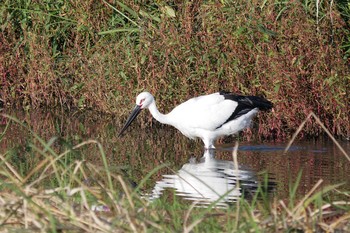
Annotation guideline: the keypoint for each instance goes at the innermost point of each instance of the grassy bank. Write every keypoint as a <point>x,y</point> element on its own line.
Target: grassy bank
<point>100,54</point>
<point>63,192</point>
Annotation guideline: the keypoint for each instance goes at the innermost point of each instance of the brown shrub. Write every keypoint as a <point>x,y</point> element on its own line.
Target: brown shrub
<point>278,50</point>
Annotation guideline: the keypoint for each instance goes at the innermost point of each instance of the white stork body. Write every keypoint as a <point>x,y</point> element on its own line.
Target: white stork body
<point>207,117</point>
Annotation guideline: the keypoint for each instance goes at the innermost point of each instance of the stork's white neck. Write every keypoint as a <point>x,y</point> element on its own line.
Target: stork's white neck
<point>162,118</point>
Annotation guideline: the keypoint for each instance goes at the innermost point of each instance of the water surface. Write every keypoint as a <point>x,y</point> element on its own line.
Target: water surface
<point>144,148</point>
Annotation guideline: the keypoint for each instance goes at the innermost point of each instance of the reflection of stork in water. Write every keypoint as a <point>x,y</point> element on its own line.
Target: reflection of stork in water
<point>209,181</point>
<point>207,117</point>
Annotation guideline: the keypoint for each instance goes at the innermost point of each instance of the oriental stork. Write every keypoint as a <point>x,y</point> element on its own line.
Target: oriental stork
<point>206,117</point>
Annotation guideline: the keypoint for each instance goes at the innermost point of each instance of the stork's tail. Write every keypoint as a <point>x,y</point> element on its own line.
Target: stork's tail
<point>260,103</point>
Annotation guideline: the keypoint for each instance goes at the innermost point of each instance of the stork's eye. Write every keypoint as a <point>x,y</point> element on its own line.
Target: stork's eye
<point>141,101</point>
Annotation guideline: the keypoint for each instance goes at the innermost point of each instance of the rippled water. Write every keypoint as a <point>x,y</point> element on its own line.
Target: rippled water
<point>143,149</point>
<point>210,180</point>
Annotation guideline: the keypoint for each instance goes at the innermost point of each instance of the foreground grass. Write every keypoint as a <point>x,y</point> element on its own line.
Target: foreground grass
<point>56,195</point>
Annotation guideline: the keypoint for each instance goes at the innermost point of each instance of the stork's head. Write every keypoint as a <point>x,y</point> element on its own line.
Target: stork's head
<point>143,100</point>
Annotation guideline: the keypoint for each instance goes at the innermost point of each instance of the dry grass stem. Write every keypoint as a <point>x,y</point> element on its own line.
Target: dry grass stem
<point>311,114</point>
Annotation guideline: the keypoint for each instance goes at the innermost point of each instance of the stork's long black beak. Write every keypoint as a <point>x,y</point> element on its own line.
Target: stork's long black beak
<point>131,118</point>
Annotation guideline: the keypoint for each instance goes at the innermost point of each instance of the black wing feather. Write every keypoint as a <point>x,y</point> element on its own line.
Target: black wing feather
<point>245,104</point>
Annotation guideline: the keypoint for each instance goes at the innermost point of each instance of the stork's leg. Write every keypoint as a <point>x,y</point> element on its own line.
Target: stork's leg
<point>208,144</point>
<point>208,154</point>
<point>211,147</point>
